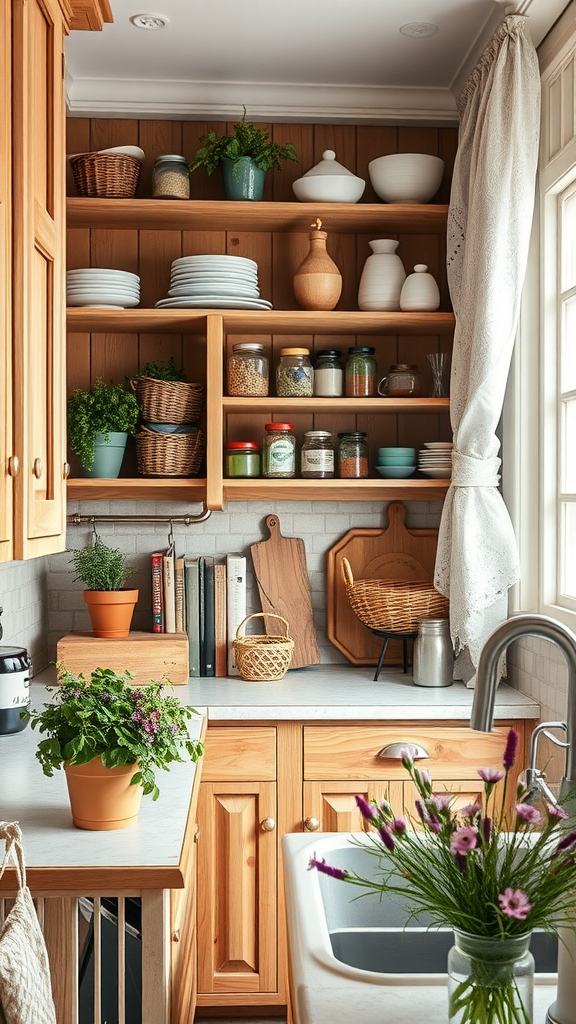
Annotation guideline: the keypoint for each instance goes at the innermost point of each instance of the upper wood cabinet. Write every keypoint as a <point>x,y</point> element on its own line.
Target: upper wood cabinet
<point>6,286</point>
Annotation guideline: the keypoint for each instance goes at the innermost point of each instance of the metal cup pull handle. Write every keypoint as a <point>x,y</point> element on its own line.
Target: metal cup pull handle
<point>396,751</point>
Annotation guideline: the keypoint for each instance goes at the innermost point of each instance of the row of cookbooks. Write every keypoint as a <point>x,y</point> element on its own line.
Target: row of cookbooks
<point>205,599</point>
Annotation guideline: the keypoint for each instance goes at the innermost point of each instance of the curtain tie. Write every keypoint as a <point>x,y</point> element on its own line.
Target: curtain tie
<point>471,472</point>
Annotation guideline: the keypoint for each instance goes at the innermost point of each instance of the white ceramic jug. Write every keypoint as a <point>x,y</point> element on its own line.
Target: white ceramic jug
<point>420,291</point>
<point>382,277</point>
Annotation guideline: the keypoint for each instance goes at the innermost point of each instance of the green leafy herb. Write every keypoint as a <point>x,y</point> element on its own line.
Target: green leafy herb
<point>247,140</point>
<point>100,410</point>
<point>163,371</point>
<point>100,567</point>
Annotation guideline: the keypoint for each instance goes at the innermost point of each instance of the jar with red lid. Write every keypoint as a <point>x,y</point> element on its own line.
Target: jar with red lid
<point>279,450</point>
<point>242,459</point>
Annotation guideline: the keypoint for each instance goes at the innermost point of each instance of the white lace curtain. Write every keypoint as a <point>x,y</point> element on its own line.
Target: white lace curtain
<point>489,222</point>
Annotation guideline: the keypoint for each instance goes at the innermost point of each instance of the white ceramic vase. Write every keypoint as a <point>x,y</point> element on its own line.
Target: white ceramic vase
<point>420,291</point>
<point>382,277</point>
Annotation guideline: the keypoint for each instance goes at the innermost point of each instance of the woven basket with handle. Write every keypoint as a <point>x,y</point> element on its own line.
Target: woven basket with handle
<point>393,606</point>
<point>168,401</point>
<point>169,454</point>
<point>106,175</point>
<point>260,656</point>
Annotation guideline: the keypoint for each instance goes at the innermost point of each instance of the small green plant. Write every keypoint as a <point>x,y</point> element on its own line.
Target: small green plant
<point>108,717</point>
<point>247,140</point>
<point>163,371</point>
<point>100,567</point>
<point>100,410</point>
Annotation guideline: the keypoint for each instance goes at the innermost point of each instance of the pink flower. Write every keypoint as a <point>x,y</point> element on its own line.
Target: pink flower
<point>528,814</point>
<point>490,775</point>
<point>555,811</point>
<point>327,869</point>
<point>398,827</point>
<point>464,839</point>
<point>367,810</point>
<point>386,838</point>
<point>470,810</point>
<point>440,801</point>
<point>514,903</point>
<point>510,750</point>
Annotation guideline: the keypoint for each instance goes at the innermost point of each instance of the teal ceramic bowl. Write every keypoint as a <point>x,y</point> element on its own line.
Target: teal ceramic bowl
<point>172,428</point>
<point>395,472</point>
<point>396,460</point>
<point>409,452</point>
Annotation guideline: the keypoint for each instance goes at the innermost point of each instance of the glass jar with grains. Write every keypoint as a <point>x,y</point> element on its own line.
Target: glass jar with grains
<point>242,458</point>
<point>171,177</point>
<point>360,372</point>
<point>279,450</point>
<point>352,455</point>
<point>247,370</point>
<point>328,374</point>
<point>294,374</point>
<point>317,455</point>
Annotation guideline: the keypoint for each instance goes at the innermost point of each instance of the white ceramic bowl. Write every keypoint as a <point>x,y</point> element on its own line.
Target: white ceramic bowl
<point>329,188</point>
<point>406,177</point>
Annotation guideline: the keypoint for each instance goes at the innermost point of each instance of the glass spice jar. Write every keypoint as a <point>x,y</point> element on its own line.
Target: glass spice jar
<point>171,177</point>
<point>247,370</point>
<point>242,458</point>
<point>360,372</point>
<point>317,455</point>
<point>328,374</point>
<point>294,374</point>
<point>402,381</point>
<point>279,450</point>
<point>352,455</point>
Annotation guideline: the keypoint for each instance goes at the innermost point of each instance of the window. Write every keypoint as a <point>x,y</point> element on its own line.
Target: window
<point>566,400</point>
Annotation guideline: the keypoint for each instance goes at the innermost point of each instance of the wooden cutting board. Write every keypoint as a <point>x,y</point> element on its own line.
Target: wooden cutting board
<point>390,553</point>
<point>282,578</point>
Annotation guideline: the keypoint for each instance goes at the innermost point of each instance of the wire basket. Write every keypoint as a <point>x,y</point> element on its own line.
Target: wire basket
<point>168,401</point>
<point>106,175</point>
<point>169,454</point>
<point>260,656</point>
<point>392,606</point>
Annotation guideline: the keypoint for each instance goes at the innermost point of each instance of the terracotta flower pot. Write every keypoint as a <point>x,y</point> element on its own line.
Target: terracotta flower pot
<point>111,611</point>
<point>102,799</point>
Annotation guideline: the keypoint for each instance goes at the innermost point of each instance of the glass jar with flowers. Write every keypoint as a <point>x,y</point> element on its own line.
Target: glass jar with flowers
<point>492,875</point>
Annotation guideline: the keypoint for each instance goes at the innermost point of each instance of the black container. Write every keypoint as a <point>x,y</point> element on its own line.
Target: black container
<point>15,671</point>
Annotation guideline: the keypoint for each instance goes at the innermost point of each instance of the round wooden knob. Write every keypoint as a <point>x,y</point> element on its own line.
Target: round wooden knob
<point>13,465</point>
<point>311,824</point>
<point>268,825</point>
<point>37,468</point>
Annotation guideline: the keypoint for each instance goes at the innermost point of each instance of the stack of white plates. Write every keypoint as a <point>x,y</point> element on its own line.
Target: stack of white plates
<point>435,459</point>
<point>217,282</point>
<point>106,289</point>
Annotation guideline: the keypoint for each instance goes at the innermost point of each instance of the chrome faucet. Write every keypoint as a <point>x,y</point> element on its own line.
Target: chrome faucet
<point>563,1011</point>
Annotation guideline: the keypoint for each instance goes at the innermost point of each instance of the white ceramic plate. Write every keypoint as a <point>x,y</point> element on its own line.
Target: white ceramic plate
<point>124,293</point>
<point>212,259</point>
<point>96,305</point>
<point>219,272</point>
<point>102,271</point>
<point>438,444</point>
<point>97,300</point>
<point>128,150</point>
<point>213,302</point>
<point>437,474</point>
<point>215,289</point>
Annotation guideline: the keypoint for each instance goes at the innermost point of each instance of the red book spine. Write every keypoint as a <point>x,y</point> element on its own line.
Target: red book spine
<point>157,593</point>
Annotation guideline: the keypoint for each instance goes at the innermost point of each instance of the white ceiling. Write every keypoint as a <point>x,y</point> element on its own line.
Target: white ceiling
<point>287,60</point>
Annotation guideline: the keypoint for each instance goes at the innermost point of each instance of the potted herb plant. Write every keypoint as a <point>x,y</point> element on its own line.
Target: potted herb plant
<point>99,422</point>
<point>104,572</point>
<point>110,737</point>
<point>245,157</point>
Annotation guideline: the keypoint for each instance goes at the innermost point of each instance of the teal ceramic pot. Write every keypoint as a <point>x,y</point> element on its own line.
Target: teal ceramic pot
<point>242,179</point>
<point>108,456</point>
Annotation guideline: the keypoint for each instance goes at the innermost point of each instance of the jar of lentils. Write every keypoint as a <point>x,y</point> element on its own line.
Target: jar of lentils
<point>242,458</point>
<point>360,372</point>
<point>171,177</point>
<point>328,374</point>
<point>352,455</point>
<point>294,374</point>
<point>317,455</point>
<point>247,370</point>
<point>279,451</point>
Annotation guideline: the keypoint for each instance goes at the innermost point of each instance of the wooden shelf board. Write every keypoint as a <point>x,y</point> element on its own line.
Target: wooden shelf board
<point>144,488</point>
<point>208,215</point>
<point>243,321</point>
<point>319,405</point>
<point>335,490</point>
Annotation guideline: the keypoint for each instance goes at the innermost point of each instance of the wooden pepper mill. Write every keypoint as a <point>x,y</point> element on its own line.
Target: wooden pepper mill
<point>317,282</point>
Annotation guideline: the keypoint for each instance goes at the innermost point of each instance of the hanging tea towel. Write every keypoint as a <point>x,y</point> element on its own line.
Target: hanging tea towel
<point>25,988</point>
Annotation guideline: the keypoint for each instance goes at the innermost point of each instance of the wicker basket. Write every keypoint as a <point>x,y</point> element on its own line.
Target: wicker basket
<point>106,175</point>
<point>393,606</point>
<point>262,657</point>
<point>169,454</point>
<point>168,401</point>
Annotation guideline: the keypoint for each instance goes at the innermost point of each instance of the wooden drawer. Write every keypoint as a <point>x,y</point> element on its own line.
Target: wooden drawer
<point>344,752</point>
<point>240,755</point>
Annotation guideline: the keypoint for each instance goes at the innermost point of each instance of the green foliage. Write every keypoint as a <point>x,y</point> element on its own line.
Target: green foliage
<point>163,371</point>
<point>104,408</point>
<point>247,140</point>
<point>100,567</point>
<point>110,718</point>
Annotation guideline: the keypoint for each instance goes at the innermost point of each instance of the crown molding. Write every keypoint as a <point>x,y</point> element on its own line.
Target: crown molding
<point>299,103</point>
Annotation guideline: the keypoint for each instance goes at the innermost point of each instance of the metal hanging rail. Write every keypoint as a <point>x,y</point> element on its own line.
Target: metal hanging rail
<point>186,519</point>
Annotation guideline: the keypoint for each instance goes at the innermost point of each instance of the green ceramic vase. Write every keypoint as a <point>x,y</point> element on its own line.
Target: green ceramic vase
<point>108,456</point>
<point>242,179</point>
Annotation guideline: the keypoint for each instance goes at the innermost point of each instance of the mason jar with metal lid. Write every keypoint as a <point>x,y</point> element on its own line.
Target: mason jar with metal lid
<point>171,177</point>
<point>294,374</point>
<point>352,455</point>
<point>279,450</point>
<point>360,372</point>
<point>247,370</point>
<point>317,455</point>
<point>328,374</point>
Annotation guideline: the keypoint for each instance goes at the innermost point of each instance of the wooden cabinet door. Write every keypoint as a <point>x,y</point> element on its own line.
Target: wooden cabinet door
<point>237,891</point>
<point>38,295</point>
<point>183,941</point>
<point>5,285</point>
<point>333,804</point>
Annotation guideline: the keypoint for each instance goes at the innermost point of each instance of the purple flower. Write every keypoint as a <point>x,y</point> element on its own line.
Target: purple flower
<point>435,825</point>
<point>367,810</point>
<point>385,809</point>
<point>555,811</point>
<point>567,842</point>
<point>460,862</point>
<point>386,838</point>
<point>422,812</point>
<point>425,776</point>
<point>398,827</point>
<point>464,839</point>
<point>486,826</point>
<point>490,775</point>
<point>514,903</point>
<point>440,801</point>
<point>510,749</point>
<point>528,814</point>
<point>340,873</point>
<point>470,810</point>
<point>173,729</point>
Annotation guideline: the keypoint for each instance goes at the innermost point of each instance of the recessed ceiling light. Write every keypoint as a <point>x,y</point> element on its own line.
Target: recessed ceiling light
<point>149,21</point>
<point>419,29</point>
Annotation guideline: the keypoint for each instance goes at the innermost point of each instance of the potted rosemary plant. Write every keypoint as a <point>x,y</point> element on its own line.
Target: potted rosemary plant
<point>104,572</point>
<point>245,157</point>
<point>99,422</point>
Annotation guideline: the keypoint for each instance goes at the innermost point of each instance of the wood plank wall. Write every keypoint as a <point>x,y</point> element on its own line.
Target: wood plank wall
<point>150,253</point>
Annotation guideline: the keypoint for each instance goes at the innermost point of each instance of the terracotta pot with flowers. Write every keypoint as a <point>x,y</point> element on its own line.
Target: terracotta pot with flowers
<point>492,876</point>
<point>110,737</point>
<point>104,571</point>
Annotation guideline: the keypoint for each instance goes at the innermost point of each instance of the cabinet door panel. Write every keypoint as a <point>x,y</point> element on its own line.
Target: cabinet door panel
<point>5,287</point>
<point>237,888</point>
<point>333,804</point>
